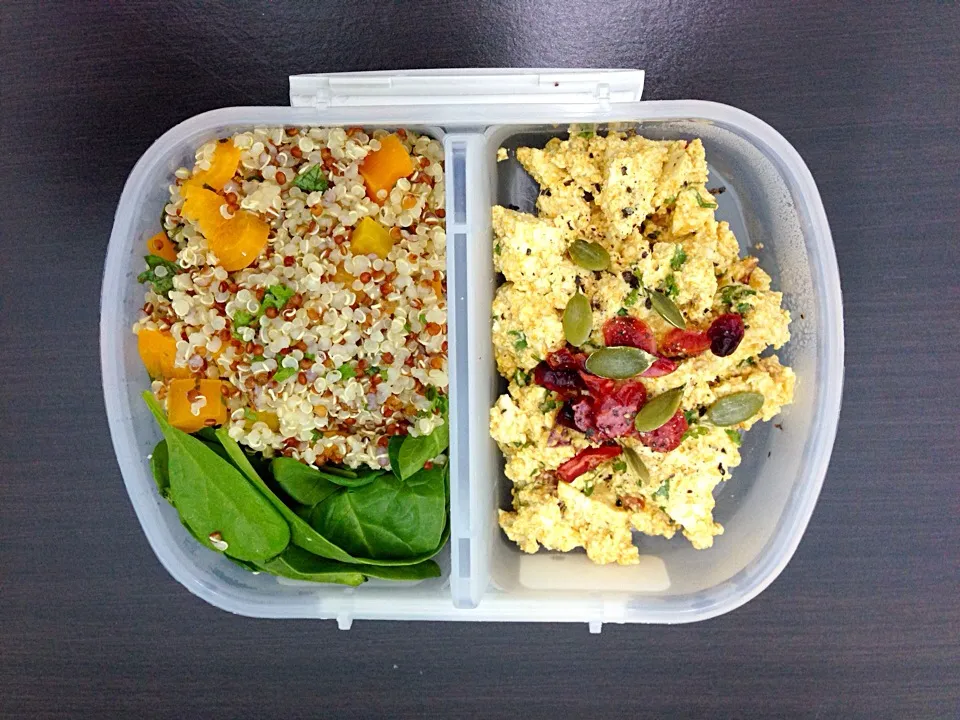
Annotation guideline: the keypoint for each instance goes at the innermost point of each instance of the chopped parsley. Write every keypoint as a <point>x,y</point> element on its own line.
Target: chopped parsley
<point>422,318</point>
<point>622,312</point>
<point>734,436</point>
<point>277,297</point>
<point>407,327</point>
<point>663,492</point>
<point>162,281</point>
<point>732,296</point>
<point>620,466</point>
<point>346,371</point>
<point>749,361</point>
<point>691,416</point>
<point>588,489</point>
<point>310,356</point>
<point>678,259</point>
<point>520,343</point>
<point>249,414</point>
<point>496,249</point>
<point>242,318</point>
<point>670,201</point>
<point>284,373</point>
<point>703,203</point>
<point>316,435</point>
<point>313,180</point>
<point>695,432</point>
<point>631,299</point>
<point>257,358</point>
<point>670,288</point>
<point>521,378</point>
<point>548,405</point>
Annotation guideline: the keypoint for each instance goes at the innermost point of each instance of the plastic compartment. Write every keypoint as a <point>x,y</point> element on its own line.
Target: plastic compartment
<point>771,198</point>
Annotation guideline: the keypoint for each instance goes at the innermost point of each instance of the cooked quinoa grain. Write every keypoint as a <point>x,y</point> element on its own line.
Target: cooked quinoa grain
<point>323,353</point>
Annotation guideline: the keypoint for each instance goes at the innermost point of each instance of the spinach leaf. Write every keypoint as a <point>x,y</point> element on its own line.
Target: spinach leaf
<point>415,451</point>
<point>304,484</point>
<point>389,519</point>
<point>284,373</point>
<point>162,281</point>
<point>214,499</point>
<point>159,466</point>
<point>393,452</point>
<point>313,180</point>
<point>298,564</point>
<point>302,534</point>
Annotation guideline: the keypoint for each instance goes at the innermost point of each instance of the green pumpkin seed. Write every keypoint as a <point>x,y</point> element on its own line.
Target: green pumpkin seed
<point>635,465</point>
<point>589,255</point>
<point>619,363</point>
<point>735,408</point>
<point>666,309</point>
<point>659,410</point>
<point>577,320</point>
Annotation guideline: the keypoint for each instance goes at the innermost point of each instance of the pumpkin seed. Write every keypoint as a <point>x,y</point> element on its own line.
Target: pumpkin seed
<point>735,408</point>
<point>577,320</point>
<point>666,309</point>
<point>659,410</point>
<point>589,255</point>
<point>619,363</point>
<point>635,465</point>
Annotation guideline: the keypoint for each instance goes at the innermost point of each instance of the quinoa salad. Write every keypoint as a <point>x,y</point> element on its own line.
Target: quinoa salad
<point>295,313</point>
<point>636,343</point>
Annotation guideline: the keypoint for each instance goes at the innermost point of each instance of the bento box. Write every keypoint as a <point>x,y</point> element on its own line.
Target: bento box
<point>773,207</point>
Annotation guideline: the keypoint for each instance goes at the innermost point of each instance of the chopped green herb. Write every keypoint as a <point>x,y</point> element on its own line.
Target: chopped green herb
<point>670,200</point>
<point>679,258</point>
<point>313,180</point>
<point>249,414</point>
<point>588,489</point>
<point>631,299</point>
<point>622,312</point>
<point>316,435</point>
<point>310,356</point>
<point>691,416</point>
<point>587,133</point>
<point>733,294</point>
<point>548,405</point>
<point>521,340</point>
<point>742,308</point>
<point>734,436</point>
<point>373,370</point>
<point>619,466</point>
<point>161,279</point>
<point>521,378</point>
<point>284,373</point>
<point>407,327</point>
<point>749,361</point>
<point>695,432</point>
<point>703,203</point>
<point>346,371</point>
<point>384,373</point>
<point>496,249</point>
<point>277,297</point>
<point>242,318</point>
<point>257,358</point>
<point>670,288</point>
<point>663,492</point>
<point>423,318</point>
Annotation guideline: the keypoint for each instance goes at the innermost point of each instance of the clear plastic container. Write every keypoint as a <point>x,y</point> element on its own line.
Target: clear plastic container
<point>771,199</point>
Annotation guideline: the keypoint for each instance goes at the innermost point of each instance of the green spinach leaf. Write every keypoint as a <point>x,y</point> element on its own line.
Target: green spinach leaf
<point>304,484</point>
<point>215,500</point>
<point>415,451</point>
<point>159,466</point>
<point>298,564</point>
<point>389,519</point>
<point>161,279</point>
<point>313,180</point>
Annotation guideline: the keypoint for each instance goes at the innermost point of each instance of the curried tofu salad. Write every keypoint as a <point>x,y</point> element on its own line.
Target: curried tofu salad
<point>636,344</point>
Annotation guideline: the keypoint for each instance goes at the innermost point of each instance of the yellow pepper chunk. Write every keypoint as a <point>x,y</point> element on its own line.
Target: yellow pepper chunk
<point>223,166</point>
<point>158,352</point>
<point>161,246</point>
<point>369,236</point>
<point>194,404</point>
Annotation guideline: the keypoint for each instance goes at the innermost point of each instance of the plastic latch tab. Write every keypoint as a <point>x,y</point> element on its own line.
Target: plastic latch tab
<point>466,87</point>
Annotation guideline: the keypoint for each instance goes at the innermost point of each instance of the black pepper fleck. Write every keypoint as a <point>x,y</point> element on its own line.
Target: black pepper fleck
<point>588,196</point>
<point>623,169</point>
<point>648,304</point>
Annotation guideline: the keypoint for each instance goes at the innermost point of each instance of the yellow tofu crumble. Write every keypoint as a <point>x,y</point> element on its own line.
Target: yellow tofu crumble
<point>646,203</point>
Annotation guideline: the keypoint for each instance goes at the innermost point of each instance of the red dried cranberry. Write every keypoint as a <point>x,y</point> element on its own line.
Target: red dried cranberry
<point>561,381</point>
<point>585,461</point>
<point>615,412</point>
<point>683,343</point>
<point>725,334</point>
<point>630,332</point>
<point>596,385</point>
<point>565,416</point>
<point>564,359</point>
<point>662,366</point>
<point>666,437</point>
<point>584,418</point>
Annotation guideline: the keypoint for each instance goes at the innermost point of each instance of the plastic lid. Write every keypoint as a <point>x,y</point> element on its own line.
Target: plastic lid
<point>493,86</point>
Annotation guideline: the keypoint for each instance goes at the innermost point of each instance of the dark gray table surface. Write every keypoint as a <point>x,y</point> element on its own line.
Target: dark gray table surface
<point>865,621</point>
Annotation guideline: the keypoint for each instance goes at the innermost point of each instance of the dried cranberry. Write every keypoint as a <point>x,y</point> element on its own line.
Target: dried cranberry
<point>725,334</point>
<point>584,418</point>
<point>564,359</point>
<point>662,366</point>
<point>630,332</point>
<point>683,343</point>
<point>561,381</point>
<point>565,416</point>
<point>666,437</point>
<point>585,461</point>
<point>615,412</point>
<point>596,385</point>
<point>633,503</point>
